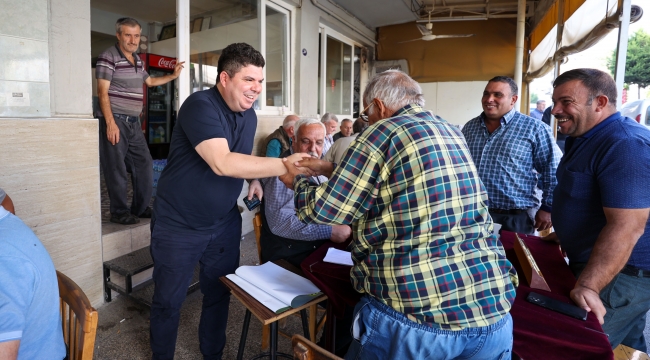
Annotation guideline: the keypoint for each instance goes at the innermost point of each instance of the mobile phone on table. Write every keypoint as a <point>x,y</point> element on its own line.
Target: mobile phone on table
<point>253,203</point>
<point>557,305</point>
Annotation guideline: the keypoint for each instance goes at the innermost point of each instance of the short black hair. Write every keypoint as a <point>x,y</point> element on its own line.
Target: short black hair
<point>359,125</point>
<point>126,21</point>
<point>236,56</point>
<point>504,79</point>
<point>596,81</point>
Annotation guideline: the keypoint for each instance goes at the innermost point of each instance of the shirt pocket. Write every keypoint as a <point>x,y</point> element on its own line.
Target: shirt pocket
<point>577,185</point>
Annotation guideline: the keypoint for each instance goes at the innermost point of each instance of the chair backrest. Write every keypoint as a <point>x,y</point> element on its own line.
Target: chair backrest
<point>257,226</point>
<point>79,319</point>
<point>304,349</point>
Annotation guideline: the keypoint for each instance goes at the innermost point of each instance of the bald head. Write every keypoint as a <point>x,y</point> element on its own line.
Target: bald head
<point>288,124</point>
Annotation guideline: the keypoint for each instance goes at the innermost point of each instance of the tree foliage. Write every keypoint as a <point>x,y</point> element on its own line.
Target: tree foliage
<point>533,98</point>
<point>637,62</point>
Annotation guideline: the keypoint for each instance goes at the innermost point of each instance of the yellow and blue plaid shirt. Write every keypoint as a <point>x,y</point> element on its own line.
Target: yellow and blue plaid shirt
<point>422,232</point>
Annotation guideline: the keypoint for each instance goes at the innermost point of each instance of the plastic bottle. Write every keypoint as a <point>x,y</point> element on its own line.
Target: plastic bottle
<point>160,134</point>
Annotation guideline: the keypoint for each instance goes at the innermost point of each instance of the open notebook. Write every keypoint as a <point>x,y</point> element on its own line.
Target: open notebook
<point>275,287</point>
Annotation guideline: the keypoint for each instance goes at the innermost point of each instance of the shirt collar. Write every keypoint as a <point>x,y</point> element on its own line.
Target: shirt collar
<point>615,116</point>
<point>409,109</point>
<point>3,212</point>
<point>504,119</point>
<point>223,102</point>
<point>136,58</point>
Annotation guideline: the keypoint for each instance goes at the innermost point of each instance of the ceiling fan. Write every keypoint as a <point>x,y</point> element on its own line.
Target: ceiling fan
<point>427,34</point>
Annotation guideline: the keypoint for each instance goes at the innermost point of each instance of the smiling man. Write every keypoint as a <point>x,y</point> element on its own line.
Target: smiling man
<point>602,203</point>
<point>122,146</point>
<point>195,217</point>
<point>510,151</point>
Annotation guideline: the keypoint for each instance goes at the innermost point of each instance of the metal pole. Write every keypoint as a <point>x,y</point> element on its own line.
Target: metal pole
<point>183,48</point>
<point>621,50</point>
<point>519,46</point>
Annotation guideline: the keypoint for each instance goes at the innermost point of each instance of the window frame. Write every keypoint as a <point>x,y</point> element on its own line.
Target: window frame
<point>289,42</point>
<point>326,31</point>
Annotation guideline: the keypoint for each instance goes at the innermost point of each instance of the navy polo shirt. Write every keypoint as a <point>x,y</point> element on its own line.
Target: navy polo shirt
<point>190,196</point>
<point>609,166</point>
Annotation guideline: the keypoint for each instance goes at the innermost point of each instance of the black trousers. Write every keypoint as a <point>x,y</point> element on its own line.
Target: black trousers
<point>129,155</point>
<point>519,223</point>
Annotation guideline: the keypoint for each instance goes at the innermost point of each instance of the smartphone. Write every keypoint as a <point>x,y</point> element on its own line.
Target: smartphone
<point>557,305</point>
<point>253,203</point>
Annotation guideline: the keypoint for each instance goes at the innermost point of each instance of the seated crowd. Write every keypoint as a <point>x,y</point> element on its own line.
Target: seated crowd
<point>416,197</point>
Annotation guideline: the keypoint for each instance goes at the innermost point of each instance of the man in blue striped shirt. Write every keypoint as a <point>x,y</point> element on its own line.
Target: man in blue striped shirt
<point>511,150</point>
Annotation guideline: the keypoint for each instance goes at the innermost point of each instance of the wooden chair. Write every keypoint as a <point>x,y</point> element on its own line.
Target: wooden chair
<point>304,349</point>
<point>315,325</point>
<point>79,319</point>
<point>623,352</point>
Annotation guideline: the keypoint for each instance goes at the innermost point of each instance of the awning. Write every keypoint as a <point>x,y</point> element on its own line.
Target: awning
<point>583,23</point>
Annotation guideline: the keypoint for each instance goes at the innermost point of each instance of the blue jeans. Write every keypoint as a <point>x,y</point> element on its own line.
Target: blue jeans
<point>380,332</point>
<point>175,255</point>
<point>627,300</point>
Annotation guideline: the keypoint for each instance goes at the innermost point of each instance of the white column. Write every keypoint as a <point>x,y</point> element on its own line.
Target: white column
<point>183,48</point>
<point>621,52</point>
<point>519,46</point>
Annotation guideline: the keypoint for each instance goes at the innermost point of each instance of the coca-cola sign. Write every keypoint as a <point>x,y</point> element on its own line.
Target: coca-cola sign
<point>162,62</point>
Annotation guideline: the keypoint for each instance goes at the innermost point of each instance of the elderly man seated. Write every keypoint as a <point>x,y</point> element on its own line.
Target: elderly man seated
<point>283,235</point>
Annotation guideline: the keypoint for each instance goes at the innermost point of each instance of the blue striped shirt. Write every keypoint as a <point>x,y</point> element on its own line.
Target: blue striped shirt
<point>512,157</point>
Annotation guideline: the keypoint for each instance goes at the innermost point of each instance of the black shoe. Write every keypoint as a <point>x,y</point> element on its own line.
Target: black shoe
<point>146,214</point>
<point>124,219</point>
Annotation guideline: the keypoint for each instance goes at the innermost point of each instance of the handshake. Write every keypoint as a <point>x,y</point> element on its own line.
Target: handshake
<point>304,164</point>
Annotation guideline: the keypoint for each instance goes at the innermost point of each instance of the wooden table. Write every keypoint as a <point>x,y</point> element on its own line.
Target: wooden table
<point>268,317</point>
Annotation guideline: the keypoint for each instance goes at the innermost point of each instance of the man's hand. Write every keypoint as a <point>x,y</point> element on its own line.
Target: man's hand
<point>178,68</point>
<point>292,170</point>
<point>112,132</point>
<point>255,188</point>
<point>317,166</point>
<point>589,300</point>
<point>543,220</point>
<point>340,233</point>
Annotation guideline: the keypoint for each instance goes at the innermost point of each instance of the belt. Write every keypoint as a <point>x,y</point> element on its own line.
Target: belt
<point>507,212</point>
<point>632,271</point>
<point>131,119</point>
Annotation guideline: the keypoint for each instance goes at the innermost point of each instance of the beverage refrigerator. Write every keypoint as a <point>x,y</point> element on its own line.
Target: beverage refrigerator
<point>159,114</point>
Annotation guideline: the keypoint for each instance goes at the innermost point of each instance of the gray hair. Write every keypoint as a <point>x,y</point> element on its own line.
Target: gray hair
<point>327,117</point>
<point>395,89</point>
<point>290,121</point>
<point>305,122</point>
<point>126,21</point>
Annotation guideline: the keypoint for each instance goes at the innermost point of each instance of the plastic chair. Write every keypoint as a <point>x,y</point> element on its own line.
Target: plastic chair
<point>79,319</point>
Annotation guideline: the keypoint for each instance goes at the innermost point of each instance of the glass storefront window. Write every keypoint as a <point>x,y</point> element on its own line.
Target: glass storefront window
<point>276,57</point>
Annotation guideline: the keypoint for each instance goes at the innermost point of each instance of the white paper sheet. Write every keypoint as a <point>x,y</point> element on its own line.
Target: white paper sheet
<point>336,256</point>
<point>277,282</point>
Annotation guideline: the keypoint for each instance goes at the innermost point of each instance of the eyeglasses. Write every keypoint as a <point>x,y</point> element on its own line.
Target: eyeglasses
<point>363,114</point>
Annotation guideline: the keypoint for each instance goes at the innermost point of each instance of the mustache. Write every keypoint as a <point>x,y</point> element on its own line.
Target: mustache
<point>313,154</point>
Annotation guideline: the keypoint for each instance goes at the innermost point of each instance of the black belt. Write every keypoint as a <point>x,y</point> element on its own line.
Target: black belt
<point>128,118</point>
<point>632,271</point>
<point>507,212</point>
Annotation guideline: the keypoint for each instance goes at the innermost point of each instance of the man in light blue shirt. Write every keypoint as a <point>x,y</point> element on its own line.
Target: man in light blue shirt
<point>511,150</point>
<point>538,112</point>
<point>30,323</point>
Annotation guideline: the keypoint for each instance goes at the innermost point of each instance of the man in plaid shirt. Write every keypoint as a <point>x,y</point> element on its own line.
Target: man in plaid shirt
<point>433,275</point>
<point>511,150</point>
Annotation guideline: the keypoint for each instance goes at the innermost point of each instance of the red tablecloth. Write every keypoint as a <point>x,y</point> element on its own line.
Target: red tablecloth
<point>544,334</point>
<point>538,333</point>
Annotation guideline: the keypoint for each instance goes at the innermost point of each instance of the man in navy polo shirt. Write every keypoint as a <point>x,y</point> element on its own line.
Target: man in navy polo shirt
<point>196,218</point>
<point>602,201</point>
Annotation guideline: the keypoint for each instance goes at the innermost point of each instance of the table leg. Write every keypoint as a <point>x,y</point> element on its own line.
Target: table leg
<point>330,329</point>
<point>313,319</point>
<point>244,334</point>
<point>305,326</point>
<point>274,340</point>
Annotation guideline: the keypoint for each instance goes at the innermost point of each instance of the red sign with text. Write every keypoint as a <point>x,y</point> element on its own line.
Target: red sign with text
<point>162,62</point>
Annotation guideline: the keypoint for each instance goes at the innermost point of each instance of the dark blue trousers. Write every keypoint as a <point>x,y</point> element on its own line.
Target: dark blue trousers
<point>175,255</point>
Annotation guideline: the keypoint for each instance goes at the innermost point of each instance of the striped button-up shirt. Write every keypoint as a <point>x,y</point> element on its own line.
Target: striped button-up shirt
<point>512,157</point>
<point>420,223</point>
<point>125,92</point>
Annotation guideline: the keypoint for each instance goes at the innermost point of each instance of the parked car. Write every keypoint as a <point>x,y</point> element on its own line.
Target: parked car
<point>638,110</point>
